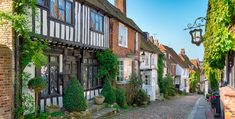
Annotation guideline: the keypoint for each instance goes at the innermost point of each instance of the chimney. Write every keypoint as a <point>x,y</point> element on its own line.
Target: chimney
<point>182,51</point>
<point>121,5</point>
<point>156,42</point>
<point>146,34</point>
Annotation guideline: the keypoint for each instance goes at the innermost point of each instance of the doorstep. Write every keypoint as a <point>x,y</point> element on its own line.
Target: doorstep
<point>100,111</point>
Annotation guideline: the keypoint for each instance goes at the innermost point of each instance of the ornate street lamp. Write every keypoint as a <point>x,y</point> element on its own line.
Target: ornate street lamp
<point>195,30</point>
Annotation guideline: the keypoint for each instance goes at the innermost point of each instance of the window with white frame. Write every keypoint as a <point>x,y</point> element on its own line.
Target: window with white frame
<point>136,41</point>
<point>125,70</point>
<point>123,35</point>
<point>121,71</point>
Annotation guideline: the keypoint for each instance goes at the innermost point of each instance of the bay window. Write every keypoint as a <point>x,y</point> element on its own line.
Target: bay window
<point>61,10</point>
<point>123,35</point>
<point>96,22</point>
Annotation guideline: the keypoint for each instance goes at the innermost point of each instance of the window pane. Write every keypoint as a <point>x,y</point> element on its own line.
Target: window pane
<point>41,2</point>
<point>101,24</point>
<point>97,23</point>
<point>61,4</point>
<point>68,12</point>
<point>92,20</point>
<point>54,8</point>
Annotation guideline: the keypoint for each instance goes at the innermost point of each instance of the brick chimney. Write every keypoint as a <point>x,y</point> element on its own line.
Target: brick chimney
<point>121,5</point>
<point>182,51</point>
<point>156,42</point>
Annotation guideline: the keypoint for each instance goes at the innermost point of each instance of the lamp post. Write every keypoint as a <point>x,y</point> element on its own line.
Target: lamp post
<point>195,30</point>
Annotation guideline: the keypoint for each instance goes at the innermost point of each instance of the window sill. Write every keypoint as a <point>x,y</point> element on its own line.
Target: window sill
<point>122,82</point>
<point>91,29</point>
<point>122,46</point>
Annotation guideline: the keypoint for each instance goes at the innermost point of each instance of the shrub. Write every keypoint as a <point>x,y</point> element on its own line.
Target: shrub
<point>141,98</point>
<point>168,88</point>
<point>121,97</point>
<point>108,92</point>
<point>74,97</point>
<point>133,86</point>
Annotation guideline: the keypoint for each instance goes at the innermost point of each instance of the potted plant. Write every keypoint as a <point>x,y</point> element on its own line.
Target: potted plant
<point>37,84</point>
<point>99,99</point>
<point>52,108</point>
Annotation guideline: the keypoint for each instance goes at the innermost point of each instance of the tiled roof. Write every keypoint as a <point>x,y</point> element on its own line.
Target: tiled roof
<point>112,11</point>
<point>148,45</point>
<point>186,59</point>
<point>174,57</point>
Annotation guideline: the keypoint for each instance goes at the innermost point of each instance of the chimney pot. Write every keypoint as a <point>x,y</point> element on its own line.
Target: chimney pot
<point>182,51</point>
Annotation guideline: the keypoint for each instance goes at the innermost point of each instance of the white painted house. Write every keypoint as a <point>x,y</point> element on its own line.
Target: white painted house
<point>148,68</point>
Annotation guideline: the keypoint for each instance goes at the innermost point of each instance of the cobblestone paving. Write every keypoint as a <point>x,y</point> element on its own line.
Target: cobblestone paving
<point>177,108</point>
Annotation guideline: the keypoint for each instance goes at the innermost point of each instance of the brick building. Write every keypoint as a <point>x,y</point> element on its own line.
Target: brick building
<point>6,65</point>
<point>125,42</point>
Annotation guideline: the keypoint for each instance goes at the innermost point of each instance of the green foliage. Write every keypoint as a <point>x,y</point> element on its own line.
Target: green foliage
<point>121,97</point>
<point>108,64</point>
<point>194,79</point>
<point>32,50</point>
<point>74,99</point>
<point>133,86</point>
<point>108,92</point>
<point>141,98</point>
<point>57,114</point>
<point>37,84</point>
<point>28,103</point>
<point>160,66</point>
<point>213,81</point>
<point>219,38</point>
<point>168,88</point>
<point>43,115</point>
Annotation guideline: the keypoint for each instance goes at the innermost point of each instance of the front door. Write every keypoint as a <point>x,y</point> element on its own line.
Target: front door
<point>70,70</point>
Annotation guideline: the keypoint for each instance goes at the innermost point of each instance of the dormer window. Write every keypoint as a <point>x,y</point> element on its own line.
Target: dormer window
<point>97,21</point>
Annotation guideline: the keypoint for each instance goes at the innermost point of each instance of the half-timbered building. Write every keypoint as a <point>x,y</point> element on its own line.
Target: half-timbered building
<point>75,31</point>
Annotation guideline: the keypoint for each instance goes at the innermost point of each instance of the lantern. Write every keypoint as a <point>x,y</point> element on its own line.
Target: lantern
<point>196,31</point>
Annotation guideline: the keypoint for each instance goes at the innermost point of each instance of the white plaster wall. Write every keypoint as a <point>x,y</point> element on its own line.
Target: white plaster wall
<point>143,62</point>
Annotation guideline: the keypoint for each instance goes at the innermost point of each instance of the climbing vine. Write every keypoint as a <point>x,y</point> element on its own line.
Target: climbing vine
<point>160,66</point>
<point>219,38</point>
<point>194,79</point>
<point>33,47</point>
<point>108,65</point>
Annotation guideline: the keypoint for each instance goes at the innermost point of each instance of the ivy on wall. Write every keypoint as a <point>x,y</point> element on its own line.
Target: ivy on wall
<point>33,47</point>
<point>160,66</point>
<point>219,38</point>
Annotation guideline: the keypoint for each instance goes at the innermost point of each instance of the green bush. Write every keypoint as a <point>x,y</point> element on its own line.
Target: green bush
<point>74,97</point>
<point>121,97</point>
<point>133,86</point>
<point>108,92</point>
<point>168,88</point>
<point>141,98</point>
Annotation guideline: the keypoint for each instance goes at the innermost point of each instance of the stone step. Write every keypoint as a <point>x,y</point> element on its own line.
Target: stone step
<point>103,113</point>
<point>94,108</point>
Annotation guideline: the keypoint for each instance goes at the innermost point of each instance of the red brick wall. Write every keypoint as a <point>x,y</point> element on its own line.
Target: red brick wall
<point>6,65</point>
<point>227,96</point>
<point>118,50</point>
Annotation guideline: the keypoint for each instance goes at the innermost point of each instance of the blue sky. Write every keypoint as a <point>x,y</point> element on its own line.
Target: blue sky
<point>167,19</point>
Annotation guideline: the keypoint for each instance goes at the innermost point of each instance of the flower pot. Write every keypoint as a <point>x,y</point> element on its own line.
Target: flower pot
<point>99,100</point>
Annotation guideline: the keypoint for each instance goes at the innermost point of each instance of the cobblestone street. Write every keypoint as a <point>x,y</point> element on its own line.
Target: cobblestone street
<point>177,108</point>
